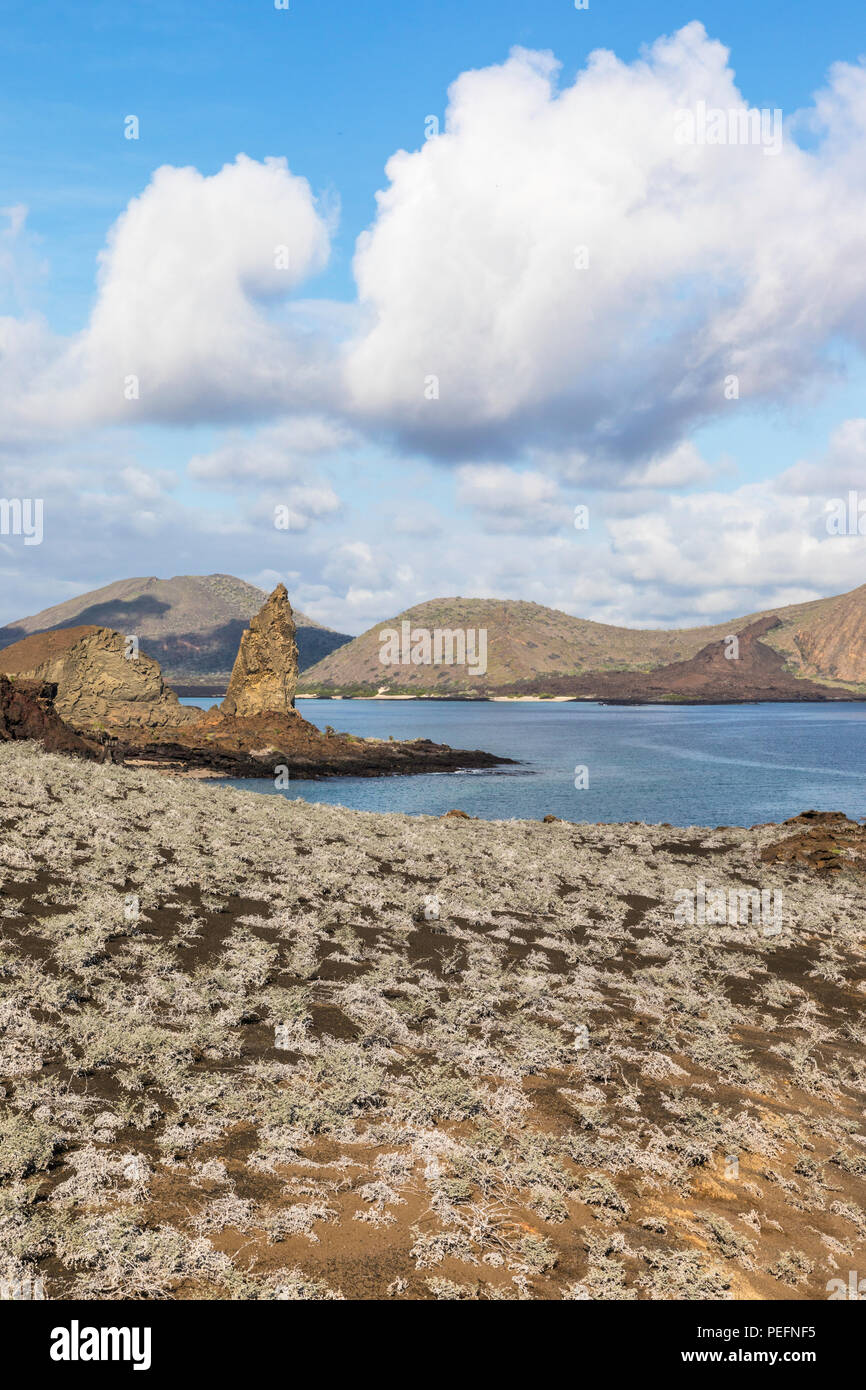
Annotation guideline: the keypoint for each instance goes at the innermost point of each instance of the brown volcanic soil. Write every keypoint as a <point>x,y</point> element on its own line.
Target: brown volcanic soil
<point>33,651</point>
<point>828,843</point>
<point>256,746</point>
<point>710,677</point>
<point>257,1049</point>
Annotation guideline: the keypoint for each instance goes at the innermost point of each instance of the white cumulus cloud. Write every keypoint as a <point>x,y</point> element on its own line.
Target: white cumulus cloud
<point>572,275</point>
<point>184,326</point>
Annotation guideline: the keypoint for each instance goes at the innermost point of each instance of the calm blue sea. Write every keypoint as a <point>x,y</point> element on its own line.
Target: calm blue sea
<point>686,764</point>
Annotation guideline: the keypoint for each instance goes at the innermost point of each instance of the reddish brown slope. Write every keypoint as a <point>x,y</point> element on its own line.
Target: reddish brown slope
<point>757,672</point>
<point>42,647</point>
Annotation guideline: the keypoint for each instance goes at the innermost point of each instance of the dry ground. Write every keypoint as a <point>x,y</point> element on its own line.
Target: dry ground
<point>244,1058</point>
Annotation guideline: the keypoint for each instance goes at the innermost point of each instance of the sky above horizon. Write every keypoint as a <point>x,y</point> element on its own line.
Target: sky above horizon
<point>386,302</point>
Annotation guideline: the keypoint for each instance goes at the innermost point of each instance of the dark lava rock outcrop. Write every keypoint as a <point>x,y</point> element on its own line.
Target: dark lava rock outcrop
<point>27,712</point>
<point>820,842</point>
<point>287,746</point>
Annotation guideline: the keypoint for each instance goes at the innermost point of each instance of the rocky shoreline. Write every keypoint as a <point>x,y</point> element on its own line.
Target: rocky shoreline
<point>298,749</point>
<point>285,746</point>
<point>89,691</point>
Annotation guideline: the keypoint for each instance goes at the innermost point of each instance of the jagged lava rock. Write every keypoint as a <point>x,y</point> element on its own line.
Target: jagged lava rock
<point>265,673</point>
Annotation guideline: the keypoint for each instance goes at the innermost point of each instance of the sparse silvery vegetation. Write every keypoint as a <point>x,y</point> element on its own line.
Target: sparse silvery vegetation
<point>241,1058</point>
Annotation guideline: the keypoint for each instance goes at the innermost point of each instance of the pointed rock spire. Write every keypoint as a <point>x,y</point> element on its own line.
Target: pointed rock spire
<point>265,673</point>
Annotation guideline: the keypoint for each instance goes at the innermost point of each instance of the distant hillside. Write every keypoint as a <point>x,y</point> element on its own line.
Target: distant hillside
<point>191,624</point>
<point>825,638</point>
<point>712,677</point>
<point>833,646</point>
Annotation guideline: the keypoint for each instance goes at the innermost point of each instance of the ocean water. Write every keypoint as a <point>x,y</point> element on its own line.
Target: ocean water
<point>685,764</point>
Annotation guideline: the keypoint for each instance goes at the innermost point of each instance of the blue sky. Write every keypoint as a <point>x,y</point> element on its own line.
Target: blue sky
<point>335,86</point>
<point>392,510</point>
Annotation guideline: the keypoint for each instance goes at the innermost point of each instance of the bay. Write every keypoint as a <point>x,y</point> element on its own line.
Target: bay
<point>685,764</point>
